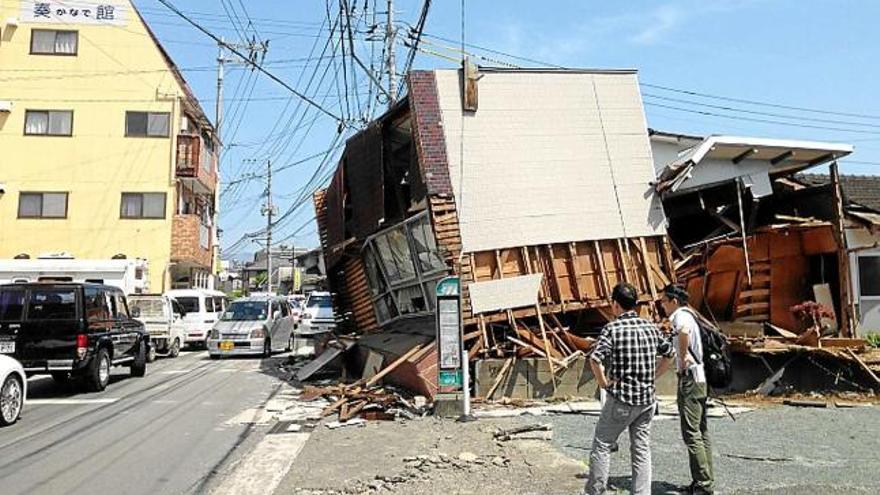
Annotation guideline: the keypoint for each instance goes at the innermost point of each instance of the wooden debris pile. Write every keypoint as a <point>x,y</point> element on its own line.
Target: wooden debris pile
<point>359,399</point>
<point>519,338</point>
<point>367,399</point>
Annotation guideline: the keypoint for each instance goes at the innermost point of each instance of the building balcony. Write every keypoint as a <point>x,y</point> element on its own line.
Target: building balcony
<point>191,241</point>
<point>195,163</point>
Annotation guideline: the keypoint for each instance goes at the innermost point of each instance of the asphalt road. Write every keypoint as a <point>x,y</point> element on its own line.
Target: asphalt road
<point>169,432</point>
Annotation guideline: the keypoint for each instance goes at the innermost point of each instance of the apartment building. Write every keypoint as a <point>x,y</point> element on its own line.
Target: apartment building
<point>104,149</point>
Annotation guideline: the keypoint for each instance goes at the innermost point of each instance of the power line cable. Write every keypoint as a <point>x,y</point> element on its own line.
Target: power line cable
<point>253,64</point>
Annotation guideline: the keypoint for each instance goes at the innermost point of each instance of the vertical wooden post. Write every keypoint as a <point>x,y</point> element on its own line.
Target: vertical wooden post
<point>742,228</point>
<point>575,272</point>
<point>623,264</point>
<point>546,346</point>
<point>603,275</point>
<point>643,249</point>
<point>847,311</point>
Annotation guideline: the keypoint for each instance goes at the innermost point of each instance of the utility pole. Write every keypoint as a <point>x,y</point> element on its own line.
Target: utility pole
<point>390,62</point>
<point>254,50</point>
<point>268,210</point>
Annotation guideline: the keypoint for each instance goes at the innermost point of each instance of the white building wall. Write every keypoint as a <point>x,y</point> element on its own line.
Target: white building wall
<point>549,157</point>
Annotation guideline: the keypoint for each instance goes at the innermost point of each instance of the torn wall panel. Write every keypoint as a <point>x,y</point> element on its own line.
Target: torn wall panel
<point>502,294</point>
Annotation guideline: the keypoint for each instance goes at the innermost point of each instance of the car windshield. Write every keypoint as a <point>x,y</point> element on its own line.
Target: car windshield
<point>11,304</point>
<point>246,310</point>
<point>189,304</point>
<point>147,307</point>
<point>320,302</point>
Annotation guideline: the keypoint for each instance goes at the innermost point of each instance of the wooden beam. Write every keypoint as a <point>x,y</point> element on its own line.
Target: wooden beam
<point>575,271</point>
<point>847,313</point>
<point>498,379</point>
<point>745,154</point>
<point>643,249</point>
<point>546,346</point>
<point>623,264</point>
<point>603,275</point>
<point>391,367</point>
<point>776,160</point>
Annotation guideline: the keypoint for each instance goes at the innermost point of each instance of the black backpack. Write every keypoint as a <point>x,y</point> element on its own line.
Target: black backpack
<point>716,357</point>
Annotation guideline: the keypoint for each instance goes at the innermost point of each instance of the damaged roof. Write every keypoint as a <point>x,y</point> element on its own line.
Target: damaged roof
<point>740,156</point>
<point>860,189</point>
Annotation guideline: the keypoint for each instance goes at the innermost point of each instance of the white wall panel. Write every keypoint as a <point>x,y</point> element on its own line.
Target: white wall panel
<point>542,156</point>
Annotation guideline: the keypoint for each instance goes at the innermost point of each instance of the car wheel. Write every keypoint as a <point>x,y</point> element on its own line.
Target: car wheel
<point>11,400</point>
<point>267,348</point>
<point>175,349</point>
<point>98,373</point>
<point>214,356</point>
<point>151,353</point>
<point>139,366</point>
<point>61,377</point>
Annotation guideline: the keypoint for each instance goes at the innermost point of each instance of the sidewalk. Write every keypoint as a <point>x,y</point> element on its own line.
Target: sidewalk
<point>774,450</point>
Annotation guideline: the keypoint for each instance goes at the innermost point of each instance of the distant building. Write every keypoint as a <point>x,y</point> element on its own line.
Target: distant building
<point>283,276</point>
<point>106,151</point>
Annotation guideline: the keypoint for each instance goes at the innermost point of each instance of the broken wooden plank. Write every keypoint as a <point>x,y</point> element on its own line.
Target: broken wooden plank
<point>805,403</point>
<point>391,367</point>
<point>546,346</point>
<point>864,367</point>
<point>498,379</point>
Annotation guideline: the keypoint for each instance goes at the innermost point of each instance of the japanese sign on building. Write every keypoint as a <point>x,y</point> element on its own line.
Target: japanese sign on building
<point>74,12</point>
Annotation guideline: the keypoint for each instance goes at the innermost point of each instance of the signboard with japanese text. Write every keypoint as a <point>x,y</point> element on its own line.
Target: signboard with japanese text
<point>449,340</point>
<point>74,12</point>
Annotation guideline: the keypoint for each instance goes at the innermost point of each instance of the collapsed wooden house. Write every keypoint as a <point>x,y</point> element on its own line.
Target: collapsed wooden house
<point>533,186</point>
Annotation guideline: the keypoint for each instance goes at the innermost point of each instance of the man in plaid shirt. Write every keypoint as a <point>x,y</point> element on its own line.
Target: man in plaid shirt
<point>631,345</point>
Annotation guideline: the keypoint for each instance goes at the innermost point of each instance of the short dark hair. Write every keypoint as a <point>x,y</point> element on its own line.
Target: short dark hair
<point>676,292</point>
<point>625,295</point>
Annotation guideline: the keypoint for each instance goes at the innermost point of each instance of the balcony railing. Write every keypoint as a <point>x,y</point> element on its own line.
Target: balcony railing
<point>195,161</point>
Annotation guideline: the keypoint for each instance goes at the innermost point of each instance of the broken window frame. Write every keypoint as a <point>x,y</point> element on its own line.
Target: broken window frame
<point>386,290</point>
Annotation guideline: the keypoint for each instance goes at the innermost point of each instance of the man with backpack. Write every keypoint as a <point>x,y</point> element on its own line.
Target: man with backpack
<point>692,387</point>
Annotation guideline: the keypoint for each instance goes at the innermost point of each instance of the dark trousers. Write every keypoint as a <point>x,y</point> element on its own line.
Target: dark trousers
<point>695,432</point>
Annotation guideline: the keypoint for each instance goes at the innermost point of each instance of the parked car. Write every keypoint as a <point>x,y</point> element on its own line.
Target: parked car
<point>13,388</point>
<point>318,320</point>
<point>252,326</point>
<point>297,307</point>
<point>202,308</point>
<point>318,316</point>
<point>163,318</point>
<point>71,330</point>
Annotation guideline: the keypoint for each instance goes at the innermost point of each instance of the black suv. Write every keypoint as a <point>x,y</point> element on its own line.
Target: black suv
<point>71,330</point>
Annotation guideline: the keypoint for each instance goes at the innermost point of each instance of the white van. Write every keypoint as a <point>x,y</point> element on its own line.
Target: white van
<point>203,308</point>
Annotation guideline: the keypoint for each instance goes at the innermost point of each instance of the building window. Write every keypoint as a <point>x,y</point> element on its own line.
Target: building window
<point>147,124</point>
<point>403,266</point>
<point>869,276</point>
<point>143,205</point>
<point>54,42</point>
<point>48,123</point>
<point>42,205</point>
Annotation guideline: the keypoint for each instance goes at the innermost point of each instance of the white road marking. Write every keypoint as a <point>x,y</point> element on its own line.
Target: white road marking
<point>262,470</point>
<point>68,402</point>
<point>174,372</point>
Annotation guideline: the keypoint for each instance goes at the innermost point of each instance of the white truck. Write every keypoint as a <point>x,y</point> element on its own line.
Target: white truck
<point>130,275</point>
<point>163,318</point>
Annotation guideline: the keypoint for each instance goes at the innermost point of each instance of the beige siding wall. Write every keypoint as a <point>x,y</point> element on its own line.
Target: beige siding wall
<point>544,155</point>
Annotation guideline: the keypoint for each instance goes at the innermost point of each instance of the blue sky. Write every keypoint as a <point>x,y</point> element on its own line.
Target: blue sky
<point>820,55</point>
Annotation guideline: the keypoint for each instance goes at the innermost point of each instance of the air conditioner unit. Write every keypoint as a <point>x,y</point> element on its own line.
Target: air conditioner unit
<point>5,106</point>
